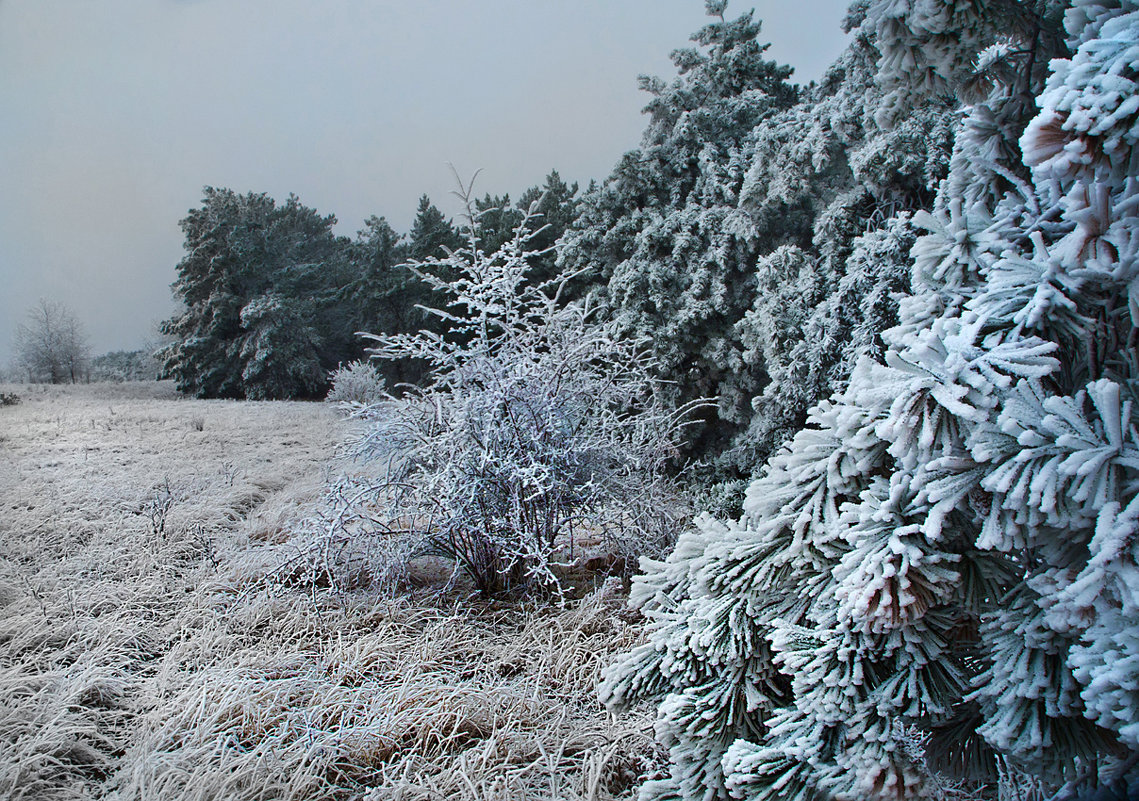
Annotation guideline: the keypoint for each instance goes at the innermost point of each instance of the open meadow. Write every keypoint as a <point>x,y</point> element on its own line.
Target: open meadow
<point>145,655</point>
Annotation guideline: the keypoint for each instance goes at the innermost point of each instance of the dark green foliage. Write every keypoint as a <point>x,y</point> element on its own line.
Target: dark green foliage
<point>556,209</point>
<point>381,293</point>
<point>432,234</point>
<point>376,277</point>
<point>258,282</point>
<point>497,219</point>
<point>280,349</point>
<point>273,300</point>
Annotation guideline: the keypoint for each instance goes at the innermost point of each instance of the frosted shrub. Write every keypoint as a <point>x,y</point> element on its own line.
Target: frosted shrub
<point>536,427</point>
<point>356,384</point>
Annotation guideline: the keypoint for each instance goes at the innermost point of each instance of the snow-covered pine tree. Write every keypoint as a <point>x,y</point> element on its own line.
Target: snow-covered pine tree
<point>663,235</point>
<point>831,161</point>
<point>870,142</point>
<point>729,173</point>
<point>279,349</point>
<point>931,591</point>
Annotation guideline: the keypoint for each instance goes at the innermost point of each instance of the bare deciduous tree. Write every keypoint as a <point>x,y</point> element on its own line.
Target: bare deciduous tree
<point>51,345</point>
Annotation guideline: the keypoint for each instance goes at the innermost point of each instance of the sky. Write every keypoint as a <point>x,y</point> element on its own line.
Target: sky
<point>115,113</point>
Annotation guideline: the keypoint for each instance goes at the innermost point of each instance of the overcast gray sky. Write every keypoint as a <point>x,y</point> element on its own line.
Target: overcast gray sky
<point>115,113</point>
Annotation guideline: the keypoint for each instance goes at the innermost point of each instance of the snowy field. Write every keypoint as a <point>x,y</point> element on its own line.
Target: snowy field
<point>143,655</point>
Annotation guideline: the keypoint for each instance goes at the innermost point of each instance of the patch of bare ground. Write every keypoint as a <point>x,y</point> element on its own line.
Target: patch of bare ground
<point>142,656</point>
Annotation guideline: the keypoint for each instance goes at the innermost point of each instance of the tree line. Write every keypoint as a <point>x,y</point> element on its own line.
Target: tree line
<point>273,299</point>
<point>756,242</point>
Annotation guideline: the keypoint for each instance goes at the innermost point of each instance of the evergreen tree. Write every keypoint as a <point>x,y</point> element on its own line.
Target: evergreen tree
<point>376,254</point>
<point>815,175</point>
<point>555,211</point>
<point>432,234</point>
<point>381,293</point>
<point>496,219</point>
<point>828,175</point>
<point>933,582</point>
<point>824,175</point>
<point>279,350</point>
<point>663,234</point>
<point>257,282</point>
<point>553,207</point>
<point>122,365</point>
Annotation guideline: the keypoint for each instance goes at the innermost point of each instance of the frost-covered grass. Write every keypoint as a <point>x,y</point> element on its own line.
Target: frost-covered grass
<point>143,657</point>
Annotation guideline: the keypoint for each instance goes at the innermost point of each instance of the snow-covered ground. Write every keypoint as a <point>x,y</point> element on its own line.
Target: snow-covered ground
<point>143,656</point>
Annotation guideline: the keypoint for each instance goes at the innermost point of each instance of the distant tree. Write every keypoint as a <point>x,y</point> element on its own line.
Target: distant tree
<point>273,299</point>
<point>385,294</point>
<point>51,345</point>
<point>260,284</point>
<point>280,353</point>
<point>123,365</point>
<point>431,238</point>
<point>378,281</point>
<point>556,209</point>
<point>496,219</point>
<point>552,208</point>
<point>431,233</point>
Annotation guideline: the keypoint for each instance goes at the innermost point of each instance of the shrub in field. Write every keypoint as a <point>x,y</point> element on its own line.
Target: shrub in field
<point>356,383</point>
<point>536,425</point>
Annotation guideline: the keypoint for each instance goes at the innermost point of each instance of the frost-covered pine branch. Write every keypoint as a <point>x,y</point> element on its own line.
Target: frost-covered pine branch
<point>933,581</point>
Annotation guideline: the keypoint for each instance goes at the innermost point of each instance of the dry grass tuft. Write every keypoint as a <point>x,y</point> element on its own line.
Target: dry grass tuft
<point>399,701</point>
<point>144,657</point>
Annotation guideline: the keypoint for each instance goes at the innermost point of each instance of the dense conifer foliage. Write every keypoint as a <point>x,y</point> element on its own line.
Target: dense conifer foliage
<point>273,299</point>
<point>930,592</point>
<point>759,235</point>
<point>256,281</point>
<point>664,236</point>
